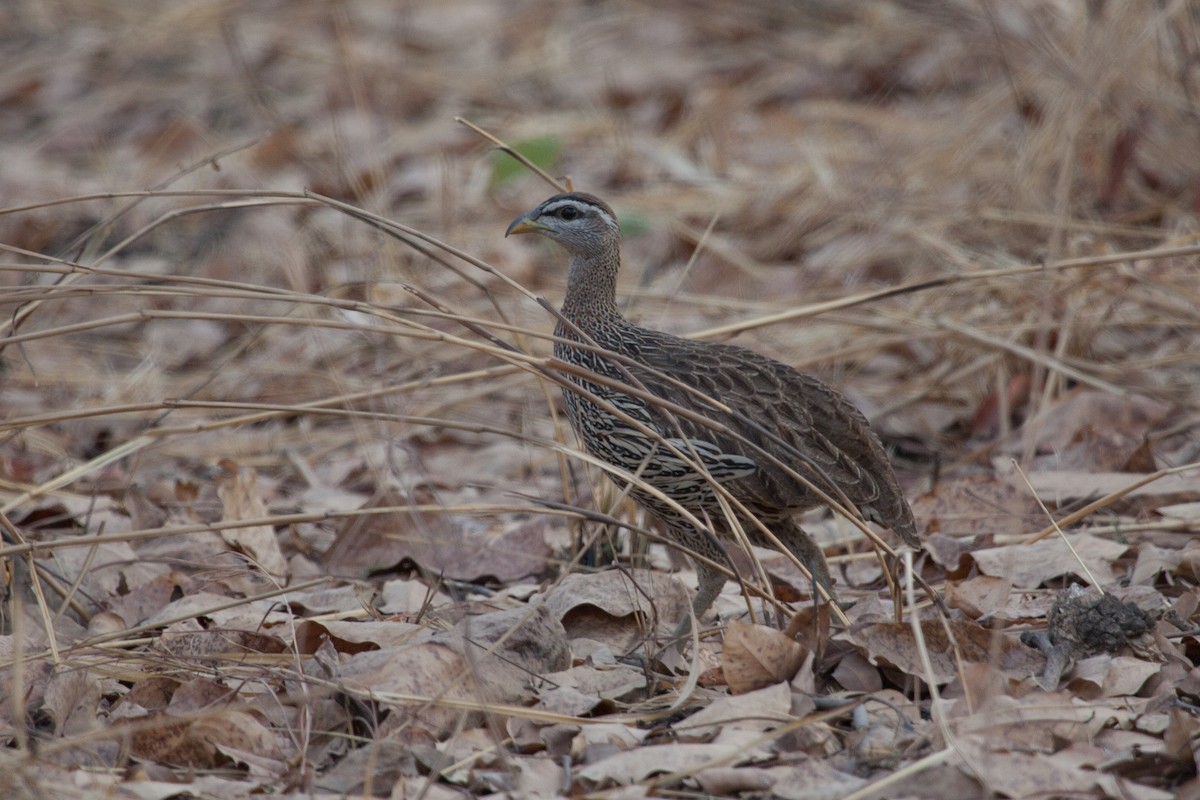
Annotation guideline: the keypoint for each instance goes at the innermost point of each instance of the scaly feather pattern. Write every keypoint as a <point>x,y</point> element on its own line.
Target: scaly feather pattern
<point>777,414</point>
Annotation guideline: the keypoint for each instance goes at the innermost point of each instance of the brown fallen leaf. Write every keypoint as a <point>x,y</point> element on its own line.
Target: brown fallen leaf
<point>1181,731</point>
<point>538,777</point>
<point>489,658</point>
<point>568,701</point>
<point>810,626</point>
<point>707,660</point>
<point>756,656</point>
<point>987,420</point>
<point>592,741</point>
<point>381,765</point>
<point>165,740</point>
<point>935,782</point>
<point>1094,431</point>
<point>198,694</point>
<point>215,609</point>
<point>734,781</point>
<point>214,739</point>
<point>1033,721</point>
<point>952,553</point>
<point>152,693</point>
<point>437,543</point>
<point>353,637</point>
<point>1153,561</point>
<point>243,739</point>
<point>1025,606</point>
<point>893,644</point>
<point>373,541</point>
<point>1018,774</point>
<point>214,643</point>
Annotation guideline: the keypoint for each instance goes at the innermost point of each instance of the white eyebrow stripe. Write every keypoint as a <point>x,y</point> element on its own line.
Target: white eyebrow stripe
<point>557,204</point>
<point>551,207</point>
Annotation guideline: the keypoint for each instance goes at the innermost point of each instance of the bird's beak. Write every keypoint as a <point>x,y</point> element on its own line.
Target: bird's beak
<point>526,223</point>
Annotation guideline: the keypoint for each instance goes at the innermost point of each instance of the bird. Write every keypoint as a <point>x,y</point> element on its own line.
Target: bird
<point>642,401</point>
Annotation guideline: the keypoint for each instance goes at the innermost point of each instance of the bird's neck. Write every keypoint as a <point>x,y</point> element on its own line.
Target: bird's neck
<point>592,286</point>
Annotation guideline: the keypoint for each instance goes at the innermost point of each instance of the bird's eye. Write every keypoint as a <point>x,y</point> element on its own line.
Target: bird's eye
<point>568,213</point>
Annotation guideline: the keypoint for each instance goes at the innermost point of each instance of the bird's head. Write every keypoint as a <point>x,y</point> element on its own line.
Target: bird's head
<point>579,222</point>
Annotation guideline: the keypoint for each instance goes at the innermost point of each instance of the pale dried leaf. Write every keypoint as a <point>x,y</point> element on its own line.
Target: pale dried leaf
<point>1036,721</point>
<point>240,499</point>
<point>979,596</point>
<point>1153,561</point>
<point>539,777</point>
<point>759,710</point>
<point>407,788</point>
<point>606,735</point>
<point>978,504</point>
<point>71,701</point>
<point>1028,566</point>
<point>1180,510</point>
<point>145,599</point>
<point>615,607</point>
<point>108,568</point>
<point>1019,774</point>
<point>354,637</point>
<point>1110,676</point>
<point>1061,488</point>
<point>855,674</point>
<point>616,682</point>
<point>408,597</point>
<point>813,779</point>
<point>632,766</point>
<point>730,781</point>
<point>568,701</point>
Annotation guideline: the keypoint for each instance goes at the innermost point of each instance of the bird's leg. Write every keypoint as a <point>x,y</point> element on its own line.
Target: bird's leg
<point>792,536</point>
<point>809,553</point>
<point>711,581</point>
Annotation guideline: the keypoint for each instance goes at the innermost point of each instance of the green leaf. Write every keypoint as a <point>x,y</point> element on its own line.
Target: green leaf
<point>632,225</point>
<point>543,151</point>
